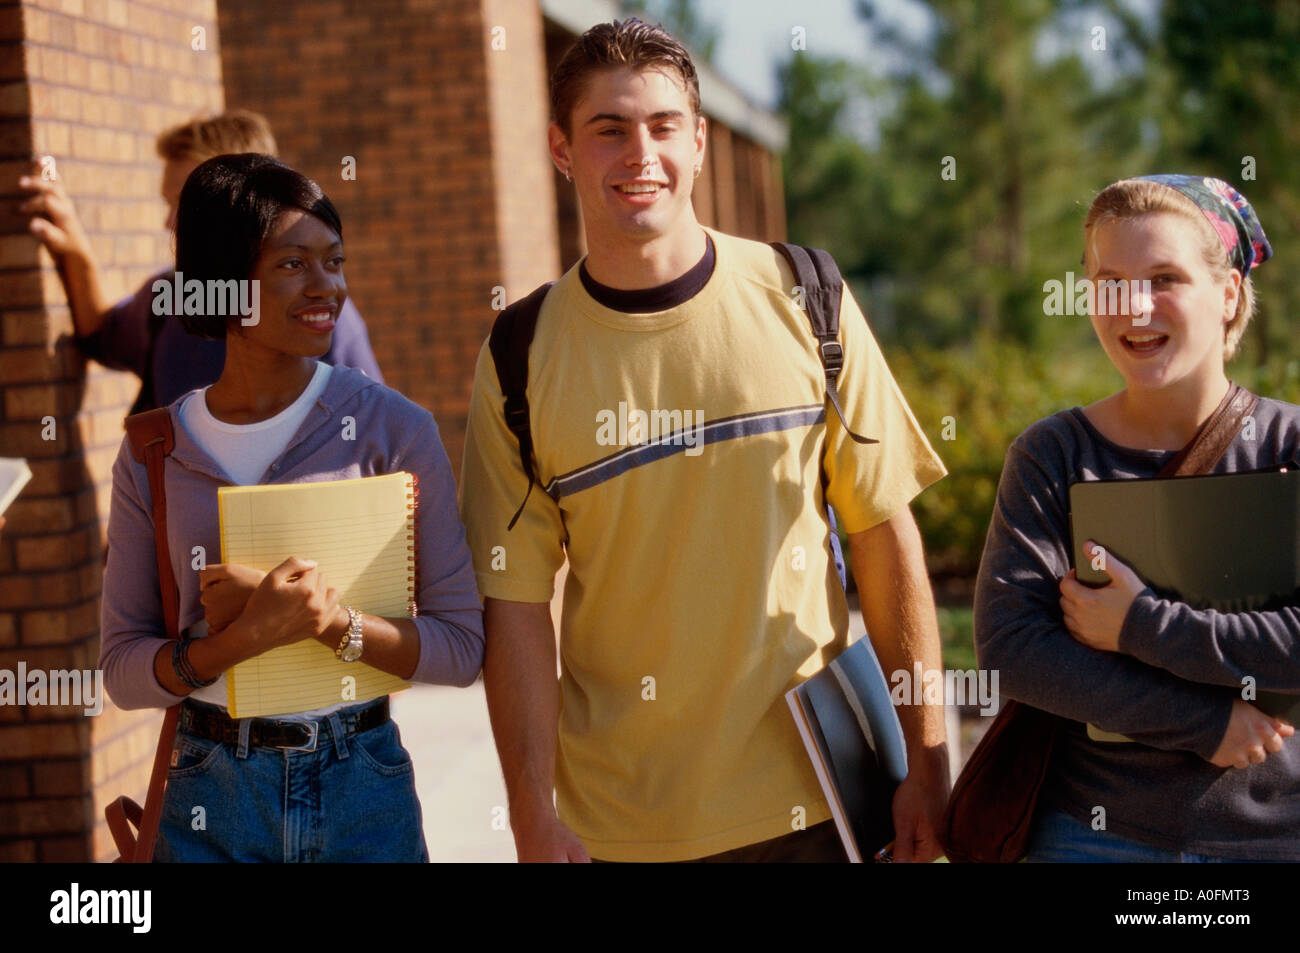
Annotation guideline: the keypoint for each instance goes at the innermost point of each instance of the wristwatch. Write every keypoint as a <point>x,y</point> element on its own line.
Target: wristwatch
<point>349,649</point>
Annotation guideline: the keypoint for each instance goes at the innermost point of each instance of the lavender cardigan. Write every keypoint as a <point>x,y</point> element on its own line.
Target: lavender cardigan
<point>391,434</point>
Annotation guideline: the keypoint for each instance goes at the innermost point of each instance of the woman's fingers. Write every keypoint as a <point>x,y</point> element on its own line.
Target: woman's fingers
<point>210,575</point>
<point>291,569</point>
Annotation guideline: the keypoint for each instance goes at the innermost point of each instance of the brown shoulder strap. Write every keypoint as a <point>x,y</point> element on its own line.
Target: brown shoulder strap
<point>152,439</point>
<point>1215,436</point>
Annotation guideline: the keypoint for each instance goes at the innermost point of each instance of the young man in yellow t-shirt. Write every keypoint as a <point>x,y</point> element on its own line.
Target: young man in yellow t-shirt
<point>681,436</point>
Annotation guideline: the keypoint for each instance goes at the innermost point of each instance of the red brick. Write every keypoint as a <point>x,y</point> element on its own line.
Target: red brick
<point>11,23</point>
<point>59,551</point>
<point>44,627</point>
<point>28,438</point>
<point>83,619</point>
<point>61,778</point>
<point>48,816</point>
<point>20,365</point>
<point>67,475</point>
<point>65,850</point>
<point>15,781</point>
<point>29,514</point>
<point>40,740</point>
<point>18,852</point>
<point>17,592</point>
<point>58,588</point>
<point>78,655</point>
<point>14,101</point>
<point>20,327</point>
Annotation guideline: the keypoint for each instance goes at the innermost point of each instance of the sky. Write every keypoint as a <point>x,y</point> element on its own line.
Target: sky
<point>755,35</point>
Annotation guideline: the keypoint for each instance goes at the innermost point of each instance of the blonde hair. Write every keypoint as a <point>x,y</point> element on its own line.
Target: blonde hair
<point>232,132</point>
<point>1131,198</point>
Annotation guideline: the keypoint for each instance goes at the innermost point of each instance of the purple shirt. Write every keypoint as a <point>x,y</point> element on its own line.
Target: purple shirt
<point>181,361</point>
<point>391,434</point>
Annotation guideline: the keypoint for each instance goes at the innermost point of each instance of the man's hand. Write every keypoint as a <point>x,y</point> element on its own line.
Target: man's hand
<point>541,838</point>
<point>523,699</point>
<point>918,807</point>
<point>898,609</point>
<point>54,218</point>
<point>1096,616</point>
<point>55,224</point>
<point>225,589</point>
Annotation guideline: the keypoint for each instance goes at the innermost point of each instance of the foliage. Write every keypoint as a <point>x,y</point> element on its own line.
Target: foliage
<point>986,393</point>
<point>951,176</point>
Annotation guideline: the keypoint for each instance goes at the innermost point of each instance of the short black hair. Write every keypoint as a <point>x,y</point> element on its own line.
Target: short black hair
<point>227,209</point>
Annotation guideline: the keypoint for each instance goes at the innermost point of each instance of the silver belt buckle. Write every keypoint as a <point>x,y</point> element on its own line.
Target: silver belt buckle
<point>314,726</point>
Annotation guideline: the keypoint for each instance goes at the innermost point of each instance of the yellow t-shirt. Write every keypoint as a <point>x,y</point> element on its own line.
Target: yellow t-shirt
<point>684,449</point>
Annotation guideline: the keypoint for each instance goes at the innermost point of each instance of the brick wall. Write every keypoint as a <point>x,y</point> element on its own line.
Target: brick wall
<point>446,203</point>
<point>522,171</point>
<point>91,83</point>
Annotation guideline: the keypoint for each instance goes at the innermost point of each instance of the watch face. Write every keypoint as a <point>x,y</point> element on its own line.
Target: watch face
<point>352,652</point>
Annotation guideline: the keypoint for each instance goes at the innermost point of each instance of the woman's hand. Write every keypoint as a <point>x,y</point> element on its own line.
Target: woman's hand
<point>225,589</point>
<point>1095,616</point>
<point>291,604</point>
<point>1251,737</point>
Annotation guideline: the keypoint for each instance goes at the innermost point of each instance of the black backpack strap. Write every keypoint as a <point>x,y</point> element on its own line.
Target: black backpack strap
<point>823,288</point>
<point>512,333</point>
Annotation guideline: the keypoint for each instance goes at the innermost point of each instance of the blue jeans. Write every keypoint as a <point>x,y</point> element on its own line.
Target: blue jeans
<point>1058,837</point>
<point>352,799</point>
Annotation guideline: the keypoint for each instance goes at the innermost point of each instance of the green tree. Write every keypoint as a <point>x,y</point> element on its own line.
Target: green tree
<point>1233,74</point>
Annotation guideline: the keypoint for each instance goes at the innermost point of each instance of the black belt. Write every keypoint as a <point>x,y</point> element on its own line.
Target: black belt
<point>210,722</point>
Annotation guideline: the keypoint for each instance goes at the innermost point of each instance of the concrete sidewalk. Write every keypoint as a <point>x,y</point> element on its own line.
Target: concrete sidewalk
<point>458,777</point>
<point>457,773</point>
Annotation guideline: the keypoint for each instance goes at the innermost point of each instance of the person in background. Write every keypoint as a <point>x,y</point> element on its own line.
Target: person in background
<point>128,336</point>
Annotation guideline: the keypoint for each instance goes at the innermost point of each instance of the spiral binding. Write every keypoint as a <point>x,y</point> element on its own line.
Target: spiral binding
<point>412,548</point>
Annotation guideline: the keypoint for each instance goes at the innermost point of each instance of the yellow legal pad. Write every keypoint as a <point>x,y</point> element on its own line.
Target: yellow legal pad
<point>361,533</point>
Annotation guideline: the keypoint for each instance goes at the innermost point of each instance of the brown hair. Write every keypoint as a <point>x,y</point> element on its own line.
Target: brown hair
<point>1131,198</point>
<point>630,42</point>
<point>232,132</point>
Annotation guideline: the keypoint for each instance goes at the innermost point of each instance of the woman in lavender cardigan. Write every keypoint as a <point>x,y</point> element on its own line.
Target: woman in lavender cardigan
<point>333,784</point>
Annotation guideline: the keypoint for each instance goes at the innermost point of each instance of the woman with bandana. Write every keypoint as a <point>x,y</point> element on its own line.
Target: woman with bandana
<point>1211,777</point>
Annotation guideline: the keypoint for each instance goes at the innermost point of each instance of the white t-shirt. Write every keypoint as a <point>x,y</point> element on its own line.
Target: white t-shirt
<point>244,451</point>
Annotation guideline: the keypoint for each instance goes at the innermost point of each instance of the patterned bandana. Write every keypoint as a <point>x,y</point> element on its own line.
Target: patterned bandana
<point>1228,211</point>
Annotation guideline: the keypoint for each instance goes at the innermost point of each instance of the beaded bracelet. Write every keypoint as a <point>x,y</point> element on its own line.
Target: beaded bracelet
<point>182,667</point>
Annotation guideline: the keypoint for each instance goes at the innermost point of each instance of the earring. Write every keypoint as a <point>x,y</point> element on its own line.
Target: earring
<point>567,176</point>
<point>698,170</point>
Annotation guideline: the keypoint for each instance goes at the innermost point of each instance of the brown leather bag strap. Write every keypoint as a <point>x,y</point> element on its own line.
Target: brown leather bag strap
<point>1211,442</point>
<point>152,439</point>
